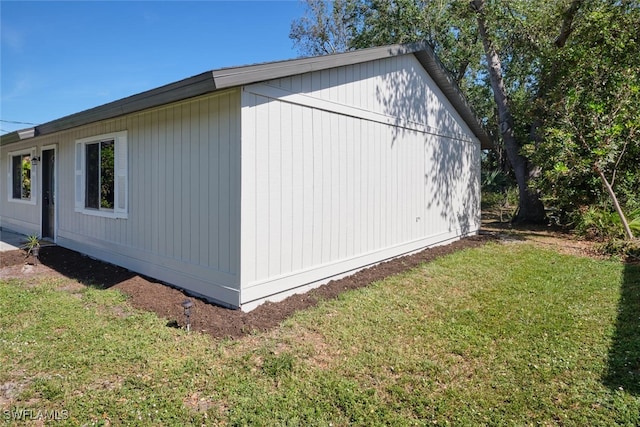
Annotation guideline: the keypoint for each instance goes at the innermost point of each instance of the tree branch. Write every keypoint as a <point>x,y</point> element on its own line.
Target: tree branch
<point>567,23</point>
<point>559,42</point>
<point>615,167</point>
<point>614,199</point>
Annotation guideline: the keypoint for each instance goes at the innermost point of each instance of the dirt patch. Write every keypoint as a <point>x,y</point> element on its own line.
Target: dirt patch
<point>549,236</point>
<point>147,294</point>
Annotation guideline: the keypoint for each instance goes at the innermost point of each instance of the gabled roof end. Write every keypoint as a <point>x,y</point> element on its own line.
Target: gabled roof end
<point>224,78</point>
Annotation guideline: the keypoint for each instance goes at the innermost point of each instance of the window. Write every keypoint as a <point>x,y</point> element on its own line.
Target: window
<point>21,176</point>
<point>101,175</point>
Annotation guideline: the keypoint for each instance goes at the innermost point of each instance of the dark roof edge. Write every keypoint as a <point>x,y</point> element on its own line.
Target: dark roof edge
<point>238,76</point>
<point>9,138</point>
<point>177,91</point>
<point>451,90</point>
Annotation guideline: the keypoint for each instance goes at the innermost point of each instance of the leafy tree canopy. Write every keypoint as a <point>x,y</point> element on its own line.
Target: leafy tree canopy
<point>569,69</point>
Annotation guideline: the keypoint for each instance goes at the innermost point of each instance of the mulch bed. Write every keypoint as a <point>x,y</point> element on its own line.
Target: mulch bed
<point>147,294</point>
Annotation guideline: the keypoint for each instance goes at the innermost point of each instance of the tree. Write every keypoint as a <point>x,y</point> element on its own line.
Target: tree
<point>327,27</point>
<point>503,60</point>
<point>530,208</point>
<point>593,113</point>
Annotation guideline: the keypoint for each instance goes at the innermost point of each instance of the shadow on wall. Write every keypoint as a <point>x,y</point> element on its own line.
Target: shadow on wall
<point>452,159</point>
<point>454,187</point>
<point>624,354</point>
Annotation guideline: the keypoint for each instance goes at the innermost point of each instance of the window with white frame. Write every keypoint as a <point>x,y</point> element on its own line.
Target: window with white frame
<point>101,175</point>
<point>21,176</point>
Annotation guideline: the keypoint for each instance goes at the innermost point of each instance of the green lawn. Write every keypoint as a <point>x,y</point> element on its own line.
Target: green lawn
<point>501,335</point>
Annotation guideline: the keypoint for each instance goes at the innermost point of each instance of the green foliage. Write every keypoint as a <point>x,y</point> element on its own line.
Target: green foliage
<point>31,243</point>
<point>571,71</point>
<point>449,27</point>
<point>592,112</point>
<point>26,177</point>
<point>598,223</point>
<point>493,181</point>
<point>601,222</point>
<point>629,249</point>
<point>492,200</point>
<point>498,191</point>
<point>634,222</point>
<point>325,28</point>
<point>107,174</point>
<point>512,196</point>
<point>528,38</point>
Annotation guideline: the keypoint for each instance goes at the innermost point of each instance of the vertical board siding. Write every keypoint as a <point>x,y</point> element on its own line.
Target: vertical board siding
<point>262,190</point>
<point>273,173</point>
<point>226,112</point>
<point>183,214</point>
<point>325,188</point>
<point>19,216</point>
<point>254,194</point>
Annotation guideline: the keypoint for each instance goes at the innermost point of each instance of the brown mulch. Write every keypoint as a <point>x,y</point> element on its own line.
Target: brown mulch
<point>147,294</point>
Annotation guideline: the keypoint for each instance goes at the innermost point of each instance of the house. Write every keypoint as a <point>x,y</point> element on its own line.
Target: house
<point>248,184</point>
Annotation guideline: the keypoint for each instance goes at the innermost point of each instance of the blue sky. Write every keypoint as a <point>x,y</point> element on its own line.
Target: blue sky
<point>58,58</point>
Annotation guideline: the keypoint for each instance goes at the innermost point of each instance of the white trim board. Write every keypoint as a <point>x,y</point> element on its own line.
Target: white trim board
<point>270,289</point>
<point>279,94</point>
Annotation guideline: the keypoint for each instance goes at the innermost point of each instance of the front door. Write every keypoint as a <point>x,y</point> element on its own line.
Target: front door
<point>48,193</point>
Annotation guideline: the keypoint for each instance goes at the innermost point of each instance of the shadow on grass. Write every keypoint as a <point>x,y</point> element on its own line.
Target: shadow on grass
<point>624,354</point>
<point>84,269</point>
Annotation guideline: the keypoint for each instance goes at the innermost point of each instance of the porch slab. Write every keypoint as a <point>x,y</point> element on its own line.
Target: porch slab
<point>10,241</point>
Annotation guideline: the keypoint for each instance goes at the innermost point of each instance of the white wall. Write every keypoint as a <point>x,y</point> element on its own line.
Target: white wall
<point>338,169</point>
<point>20,216</point>
<point>183,174</point>
<point>346,167</point>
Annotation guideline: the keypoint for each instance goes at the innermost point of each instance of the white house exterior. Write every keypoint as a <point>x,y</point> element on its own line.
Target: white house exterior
<point>246,184</point>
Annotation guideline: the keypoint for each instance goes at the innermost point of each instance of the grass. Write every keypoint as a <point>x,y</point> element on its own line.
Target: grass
<point>500,335</point>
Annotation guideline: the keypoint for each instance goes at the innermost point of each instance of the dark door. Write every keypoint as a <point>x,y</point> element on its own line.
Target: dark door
<point>48,193</point>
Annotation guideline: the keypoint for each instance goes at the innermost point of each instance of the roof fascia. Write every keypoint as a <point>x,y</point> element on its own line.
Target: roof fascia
<point>9,138</point>
<point>183,89</point>
<point>450,88</point>
<point>18,135</point>
<point>237,76</point>
<point>187,88</point>
<point>209,82</point>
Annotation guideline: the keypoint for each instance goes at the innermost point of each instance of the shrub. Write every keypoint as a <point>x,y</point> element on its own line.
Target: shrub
<point>494,181</point>
<point>634,222</point>
<point>602,224</point>
<point>492,200</point>
<point>596,223</point>
<point>626,249</point>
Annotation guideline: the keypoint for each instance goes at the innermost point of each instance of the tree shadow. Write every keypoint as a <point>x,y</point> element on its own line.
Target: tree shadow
<point>451,152</point>
<point>455,184</point>
<point>623,371</point>
<point>86,270</point>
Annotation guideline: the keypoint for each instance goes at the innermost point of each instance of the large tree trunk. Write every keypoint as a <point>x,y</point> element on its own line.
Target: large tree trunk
<point>530,209</point>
